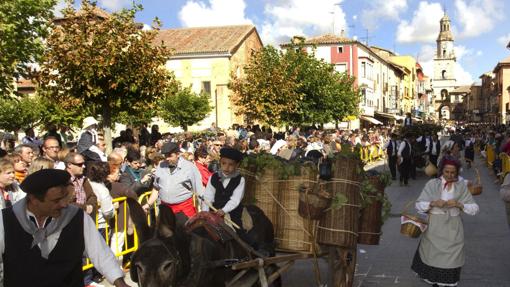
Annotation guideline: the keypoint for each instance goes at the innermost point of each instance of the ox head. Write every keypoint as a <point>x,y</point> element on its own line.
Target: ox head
<point>157,262</point>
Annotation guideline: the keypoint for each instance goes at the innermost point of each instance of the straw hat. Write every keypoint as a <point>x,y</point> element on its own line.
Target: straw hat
<point>88,121</point>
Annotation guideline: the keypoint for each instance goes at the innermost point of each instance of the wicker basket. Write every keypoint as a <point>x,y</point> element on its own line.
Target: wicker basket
<point>262,191</point>
<point>293,232</point>
<point>476,188</point>
<point>313,202</point>
<point>411,230</point>
<point>339,226</point>
<point>370,221</point>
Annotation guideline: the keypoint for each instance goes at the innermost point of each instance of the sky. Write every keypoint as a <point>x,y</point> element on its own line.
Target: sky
<point>480,28</point>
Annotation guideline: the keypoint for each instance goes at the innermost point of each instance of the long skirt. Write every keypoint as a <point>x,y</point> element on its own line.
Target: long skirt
<point>434,275</point>
<point>440,254</point>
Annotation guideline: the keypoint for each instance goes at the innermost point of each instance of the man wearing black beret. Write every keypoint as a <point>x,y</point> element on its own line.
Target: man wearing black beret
<point>175,180</point>
<point>225,189</point>
<point>46,237</point>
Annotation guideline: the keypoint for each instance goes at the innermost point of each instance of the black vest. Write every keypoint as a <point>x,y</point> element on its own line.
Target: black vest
<point>223,195</point>
<point>406,153</point>
<point>391,148</point>
<point>24,266</point>
<point>438,147</point>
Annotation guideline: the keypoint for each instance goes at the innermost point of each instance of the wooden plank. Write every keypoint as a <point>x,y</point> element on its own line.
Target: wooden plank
<point>269,260</point>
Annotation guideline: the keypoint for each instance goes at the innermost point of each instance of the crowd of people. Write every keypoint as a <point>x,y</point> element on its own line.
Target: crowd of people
<point>174,167</point>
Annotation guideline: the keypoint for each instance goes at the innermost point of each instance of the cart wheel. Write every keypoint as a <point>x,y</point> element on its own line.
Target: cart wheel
<point>342,264</point>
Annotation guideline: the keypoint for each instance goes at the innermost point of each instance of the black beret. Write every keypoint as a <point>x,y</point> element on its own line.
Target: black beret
<point>169,147</point>
<point>42,180</point>
<point>231,153</point>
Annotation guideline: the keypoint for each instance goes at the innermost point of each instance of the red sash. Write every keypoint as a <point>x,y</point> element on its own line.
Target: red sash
<point>185,207</point>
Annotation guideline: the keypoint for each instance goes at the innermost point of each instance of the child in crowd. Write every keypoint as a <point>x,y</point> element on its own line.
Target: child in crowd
<point>225,189</point>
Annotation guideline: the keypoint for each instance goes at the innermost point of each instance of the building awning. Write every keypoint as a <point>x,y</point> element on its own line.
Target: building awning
<point>386,115</point>
<point>371,120</point>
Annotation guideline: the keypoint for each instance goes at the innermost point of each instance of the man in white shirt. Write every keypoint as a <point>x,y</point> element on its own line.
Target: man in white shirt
<point>404,156</point>
<point>391,148</point>
<point>45,237</point>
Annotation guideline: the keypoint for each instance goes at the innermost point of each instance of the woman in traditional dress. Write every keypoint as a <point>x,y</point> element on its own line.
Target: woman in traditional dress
<point>440,254</point>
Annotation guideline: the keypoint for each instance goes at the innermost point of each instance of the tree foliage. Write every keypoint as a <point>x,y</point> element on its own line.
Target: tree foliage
<point>293,87</point>
<point>23,26</point>
<point>184,108</point>
<point>106,65</point>
<point>21,112</point>
<point>268,89</point>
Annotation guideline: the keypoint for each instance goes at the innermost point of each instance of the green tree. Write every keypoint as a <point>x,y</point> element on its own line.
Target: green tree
<point>106,65</point>
<point>23,27</point>
<point>184,108</point>
<point>21,112</point>
<point>293,87</point>
<point>328,95</point>
<point>268,88</point>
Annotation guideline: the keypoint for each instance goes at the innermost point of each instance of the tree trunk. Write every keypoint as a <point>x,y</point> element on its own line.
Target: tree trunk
<point>185,128</point>
<point>107,127</point>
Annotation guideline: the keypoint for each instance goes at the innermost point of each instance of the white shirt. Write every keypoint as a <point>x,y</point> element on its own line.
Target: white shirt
<point>434,150</point>
<point>447,194</point>
<point>394,144</point>
<point>402,147</point>
<point>235,199</point>
<point>105,202</point>
<point>95,248</point>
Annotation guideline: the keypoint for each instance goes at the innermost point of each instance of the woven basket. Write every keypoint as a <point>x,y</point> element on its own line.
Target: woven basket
<point>339,226</point>
<point>262,190</point>
<point>370,221</point>
<point>476,188</point>
<point>313,202</point>
<point>293,232</point>
<point>409,229</point>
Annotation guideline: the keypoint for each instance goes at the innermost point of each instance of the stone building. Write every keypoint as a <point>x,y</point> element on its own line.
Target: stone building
<point>205,58</point>
<point>444,80</point>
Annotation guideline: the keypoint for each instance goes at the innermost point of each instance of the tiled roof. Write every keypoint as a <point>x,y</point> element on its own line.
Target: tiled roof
<point>204,40</point>
<point>96,11</point>
<point>462,90</point>
<point>24,83</point>
<point>326,39</point>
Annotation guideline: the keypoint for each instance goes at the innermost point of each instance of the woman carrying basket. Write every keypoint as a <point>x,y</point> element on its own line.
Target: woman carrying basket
<point>440,255</point>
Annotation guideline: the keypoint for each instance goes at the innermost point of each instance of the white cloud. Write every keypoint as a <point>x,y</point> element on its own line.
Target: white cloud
<point>213,13</point>
<point>504,40</point>
<point>425,24</point>
<point>289,18</point>
<point>426,59</point>
<point>478,16</point>
<point>382,10</point>
<point>114,5</point>
<point>463,76</point>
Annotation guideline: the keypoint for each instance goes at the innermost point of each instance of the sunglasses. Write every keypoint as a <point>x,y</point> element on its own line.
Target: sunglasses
<point>80,164</point>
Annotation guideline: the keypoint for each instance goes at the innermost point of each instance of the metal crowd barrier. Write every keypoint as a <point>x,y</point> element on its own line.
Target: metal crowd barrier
<point>505,164</point>
<point>126,248</point>
<point>491,155</point>
<point>371,153</point>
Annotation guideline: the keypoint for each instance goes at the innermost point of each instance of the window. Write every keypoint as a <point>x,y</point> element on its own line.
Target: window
<point>443,74</point>
<point>363,69</point>
<point>340,49</point>
<point>341,68</point>
<point>444,53</point>
<point>206,87</point>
